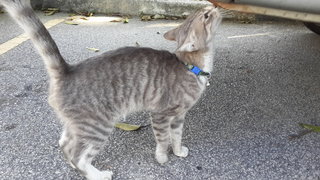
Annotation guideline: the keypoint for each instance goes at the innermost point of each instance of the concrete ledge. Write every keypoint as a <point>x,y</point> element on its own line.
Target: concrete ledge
<point>132,7</point>
<point>136,7</point>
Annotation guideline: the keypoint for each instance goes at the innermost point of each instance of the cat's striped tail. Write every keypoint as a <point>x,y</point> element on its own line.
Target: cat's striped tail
<point>22,13</point>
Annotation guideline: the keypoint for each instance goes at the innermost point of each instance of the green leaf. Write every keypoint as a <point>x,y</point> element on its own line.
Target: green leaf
<point>126,20</point>
<point>127,127</point>
<point>310,127</point>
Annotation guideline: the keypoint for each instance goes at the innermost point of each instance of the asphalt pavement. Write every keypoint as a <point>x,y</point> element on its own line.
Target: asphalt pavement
<point>266,81</point>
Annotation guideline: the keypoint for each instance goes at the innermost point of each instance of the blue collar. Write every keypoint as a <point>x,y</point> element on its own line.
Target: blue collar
<point>197,71</point>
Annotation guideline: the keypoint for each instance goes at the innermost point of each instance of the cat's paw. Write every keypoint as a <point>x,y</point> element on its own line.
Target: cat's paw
<point>106,175</point>
<point>101,175</point>
<point>162,158</point>
<point>183,152</point>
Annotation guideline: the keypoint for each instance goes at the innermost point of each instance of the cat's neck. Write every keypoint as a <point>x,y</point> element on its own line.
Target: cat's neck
<point>208,59</point>
<point>202,59</point>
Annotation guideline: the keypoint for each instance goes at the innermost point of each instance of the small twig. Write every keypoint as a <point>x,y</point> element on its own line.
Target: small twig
<point>145,126</point>
<point>299,135</point>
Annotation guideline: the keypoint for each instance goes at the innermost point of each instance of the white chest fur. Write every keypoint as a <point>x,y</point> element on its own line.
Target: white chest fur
<point>208,64</point>
<point>208,59</point>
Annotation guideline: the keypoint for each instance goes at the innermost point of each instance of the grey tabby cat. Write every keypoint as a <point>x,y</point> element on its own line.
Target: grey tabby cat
<point>90,96</point>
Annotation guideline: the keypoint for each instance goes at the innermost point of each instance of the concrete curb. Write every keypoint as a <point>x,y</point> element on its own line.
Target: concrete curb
<point>132,7</point>
<point>178,8</point>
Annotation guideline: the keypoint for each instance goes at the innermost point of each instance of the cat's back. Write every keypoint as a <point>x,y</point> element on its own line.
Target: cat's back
<point>130,55</point>
<point>127,65</point>
<point>130,61</point>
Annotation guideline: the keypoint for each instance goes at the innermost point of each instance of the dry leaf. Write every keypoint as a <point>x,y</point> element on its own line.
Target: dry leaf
<point>127,127</point>
<point>87,14</point>
<point>171,18</point>
<point>84,18</point>
<point>77,17</point>
<point>117,20</point>
<point>93,49</point>
<point>50,11</point>
<point>145,18</point>
<point>159,16</point>
<point>70,22</point>
<point>53,9</point>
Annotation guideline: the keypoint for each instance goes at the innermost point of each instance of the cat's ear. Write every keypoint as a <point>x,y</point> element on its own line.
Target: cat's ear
<point>170,35</point>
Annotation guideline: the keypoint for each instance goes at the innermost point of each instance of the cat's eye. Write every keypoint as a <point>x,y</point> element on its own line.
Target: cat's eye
<point>206,15</point>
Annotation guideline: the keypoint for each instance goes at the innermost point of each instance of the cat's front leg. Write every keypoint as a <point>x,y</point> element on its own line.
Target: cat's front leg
<point>176,128</point>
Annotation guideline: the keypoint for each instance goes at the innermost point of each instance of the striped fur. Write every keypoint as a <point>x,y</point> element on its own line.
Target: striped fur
<point>89,97</point>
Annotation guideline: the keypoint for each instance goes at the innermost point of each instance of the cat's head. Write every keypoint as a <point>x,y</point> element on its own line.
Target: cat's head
<point>197,31</point>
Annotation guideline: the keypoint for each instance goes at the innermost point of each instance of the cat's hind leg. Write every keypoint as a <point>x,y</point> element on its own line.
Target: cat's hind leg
<point>65,139</point>
<point>83,164</point>
<point>80,144</point>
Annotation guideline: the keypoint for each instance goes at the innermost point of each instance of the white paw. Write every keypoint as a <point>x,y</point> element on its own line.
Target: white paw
<point>101,175</point>
<point>106,175</point>
<point>183,152</point>
<point>162,158</point>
